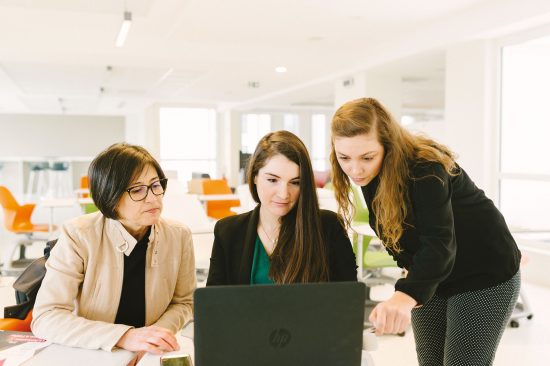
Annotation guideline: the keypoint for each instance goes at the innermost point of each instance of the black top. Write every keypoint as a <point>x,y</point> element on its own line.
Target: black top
<point>455,239</point>
<point>131,309</point>
<point>233,251</point>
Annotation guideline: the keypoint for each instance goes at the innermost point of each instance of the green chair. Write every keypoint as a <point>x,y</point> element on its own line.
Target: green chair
<point>373,259</point>
<point>360,218</point>
<point>89,208</point>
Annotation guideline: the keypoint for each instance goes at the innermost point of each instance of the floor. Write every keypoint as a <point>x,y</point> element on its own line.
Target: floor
<point>529,344</point>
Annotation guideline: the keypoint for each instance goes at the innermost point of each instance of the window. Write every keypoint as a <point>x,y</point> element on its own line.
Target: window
<point>525,127</point>
<point>253,128</point>
<point>319,145</point>
<point>290,123</point>
<point>188,141</point>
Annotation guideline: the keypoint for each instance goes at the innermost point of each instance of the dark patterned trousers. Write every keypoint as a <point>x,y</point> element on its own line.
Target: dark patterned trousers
<point>464,329</point>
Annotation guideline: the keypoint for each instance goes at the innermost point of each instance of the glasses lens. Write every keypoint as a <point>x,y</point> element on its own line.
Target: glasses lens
<point>157,188</point>
<point>138,193</point>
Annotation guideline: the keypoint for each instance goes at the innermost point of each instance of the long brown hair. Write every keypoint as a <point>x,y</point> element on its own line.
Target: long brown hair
<point>401,149</point>
<point>300,254</point>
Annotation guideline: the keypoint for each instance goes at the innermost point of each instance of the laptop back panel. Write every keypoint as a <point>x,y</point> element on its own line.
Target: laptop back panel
<point>302,324</point>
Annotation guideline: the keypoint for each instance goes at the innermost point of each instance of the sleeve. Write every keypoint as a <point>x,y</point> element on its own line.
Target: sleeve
<point>433,262</point>
<point>343,265</point>
<point>217,273</point>
<point>180,310</point>
<point>54,318</point>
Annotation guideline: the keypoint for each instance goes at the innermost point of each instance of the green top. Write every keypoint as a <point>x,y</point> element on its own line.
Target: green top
<point>260,265</point>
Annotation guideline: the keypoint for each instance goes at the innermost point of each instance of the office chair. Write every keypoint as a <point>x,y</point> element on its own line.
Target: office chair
<point>522,309</point>
<point>218,209</point>
<point>17,220</point>
<point>20,325</point>
<point>374,258</point>
<point>19,317</point>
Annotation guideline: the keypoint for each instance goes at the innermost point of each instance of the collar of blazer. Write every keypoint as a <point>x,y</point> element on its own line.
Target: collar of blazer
<point>250,236</point>
<point>125,243</point>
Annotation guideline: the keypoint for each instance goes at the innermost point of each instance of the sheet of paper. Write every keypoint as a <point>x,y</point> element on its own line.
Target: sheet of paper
<point>17,355</point>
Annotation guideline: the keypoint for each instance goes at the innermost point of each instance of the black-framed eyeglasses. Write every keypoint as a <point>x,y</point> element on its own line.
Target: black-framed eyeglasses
<point>139,193</point>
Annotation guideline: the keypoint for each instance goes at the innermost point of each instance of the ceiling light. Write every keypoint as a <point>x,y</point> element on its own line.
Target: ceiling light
<point>124,29</point>
<point>280,69</point>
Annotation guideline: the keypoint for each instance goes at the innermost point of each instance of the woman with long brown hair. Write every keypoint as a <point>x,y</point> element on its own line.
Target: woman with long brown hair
<point>286,238</point>
<point>463,264</point>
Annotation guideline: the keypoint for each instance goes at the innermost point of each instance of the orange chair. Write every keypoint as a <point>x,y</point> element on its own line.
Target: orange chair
<point>84,192</point>
<point>83,186</point>
<point>218,209</point>
<point>17,324</point>
<point>17,219</point>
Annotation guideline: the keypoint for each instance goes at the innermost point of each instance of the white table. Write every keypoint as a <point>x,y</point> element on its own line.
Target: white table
<point>67,356</point>
<point>361,230</point>
<point>217,197</point>
<point>53,203</point>
<point>204,198</point>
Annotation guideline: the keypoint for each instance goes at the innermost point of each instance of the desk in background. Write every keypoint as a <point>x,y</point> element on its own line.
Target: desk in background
<point>53,203</point>
<point>217,197</point>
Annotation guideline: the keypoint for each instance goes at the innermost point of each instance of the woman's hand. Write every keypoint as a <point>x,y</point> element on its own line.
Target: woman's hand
<point>151,339</point>
<point>394,315</point>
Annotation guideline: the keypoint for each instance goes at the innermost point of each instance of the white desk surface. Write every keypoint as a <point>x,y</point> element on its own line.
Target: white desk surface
<point>67,356</point>
<point>217,197</point>
<point>64,202</point>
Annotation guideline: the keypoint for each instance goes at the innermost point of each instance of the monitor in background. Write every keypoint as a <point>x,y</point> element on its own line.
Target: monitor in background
<point>199,175</point>
<point>273,325</point>
<point>243,159</point>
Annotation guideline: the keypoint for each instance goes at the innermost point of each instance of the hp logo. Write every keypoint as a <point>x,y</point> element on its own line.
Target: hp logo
<point>279,338</point>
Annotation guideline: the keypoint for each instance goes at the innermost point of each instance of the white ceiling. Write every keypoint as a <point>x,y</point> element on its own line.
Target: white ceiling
<point>58,56</point>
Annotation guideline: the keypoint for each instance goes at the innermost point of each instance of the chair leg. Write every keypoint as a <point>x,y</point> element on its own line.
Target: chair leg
<point>11,248</point>
<point>22,250</point>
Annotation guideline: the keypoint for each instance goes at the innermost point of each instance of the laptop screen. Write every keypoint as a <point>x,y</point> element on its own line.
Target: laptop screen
<point>268,325</point>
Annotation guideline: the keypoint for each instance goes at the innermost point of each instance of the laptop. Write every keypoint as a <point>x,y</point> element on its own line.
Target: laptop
<point>275,325</point>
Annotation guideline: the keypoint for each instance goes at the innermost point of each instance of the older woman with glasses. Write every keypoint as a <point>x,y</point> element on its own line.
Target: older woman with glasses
<point>122,277</point>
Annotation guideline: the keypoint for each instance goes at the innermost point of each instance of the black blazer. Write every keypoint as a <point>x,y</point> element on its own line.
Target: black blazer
<point>235,238</point>
<point>456,239</point>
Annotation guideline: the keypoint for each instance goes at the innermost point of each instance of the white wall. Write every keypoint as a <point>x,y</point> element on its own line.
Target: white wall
<point>50,135</point>
<point>229,140</point>
<point>470,110</point>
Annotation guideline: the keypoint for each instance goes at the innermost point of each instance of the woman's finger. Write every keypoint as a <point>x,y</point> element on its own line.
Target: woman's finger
<point>160,343</point>
<point>167,336</point>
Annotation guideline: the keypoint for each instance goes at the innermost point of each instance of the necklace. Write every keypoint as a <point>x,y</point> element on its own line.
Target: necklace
<point>273,242</point>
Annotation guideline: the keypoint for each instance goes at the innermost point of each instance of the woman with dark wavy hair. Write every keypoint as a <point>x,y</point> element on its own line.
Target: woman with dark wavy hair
<point>286,238</point>
<point>463,264</point>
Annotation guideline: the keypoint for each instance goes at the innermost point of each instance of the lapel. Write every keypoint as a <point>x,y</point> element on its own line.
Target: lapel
<point>249,241</point>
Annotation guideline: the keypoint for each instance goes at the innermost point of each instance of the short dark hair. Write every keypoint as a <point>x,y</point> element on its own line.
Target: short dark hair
<point>113,170</point>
